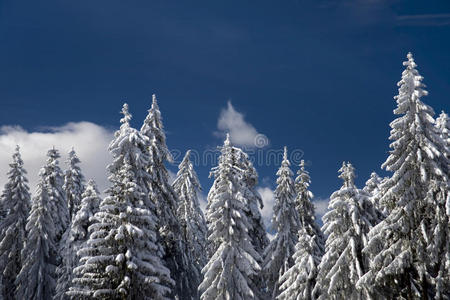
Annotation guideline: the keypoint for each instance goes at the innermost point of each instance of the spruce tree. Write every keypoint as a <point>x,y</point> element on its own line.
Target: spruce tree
<point>162,194</point>
<point>305,209</point>
<point>232,269</point>
<point>397,246</point>
<point>16,197</point>
<point>373,188</point>
<point>278,255</point>
<point>298,282</point>
<point>249,181</point>
<point>439,244</point>
<point>192,220</point>
<point>54,181</point>
<point>346,224</point>
<point>122,258</point>
<point>73,183</point>
<point>75,237</point>
<point>36,279</point>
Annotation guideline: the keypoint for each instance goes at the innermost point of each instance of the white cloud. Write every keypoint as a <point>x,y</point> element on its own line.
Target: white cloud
<point>241,132</point>
<point>321,206</point>
<point>268,198</point>
<point>89,140</point>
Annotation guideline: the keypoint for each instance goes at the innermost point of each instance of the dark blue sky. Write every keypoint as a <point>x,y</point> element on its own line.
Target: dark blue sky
<point>313,75</point>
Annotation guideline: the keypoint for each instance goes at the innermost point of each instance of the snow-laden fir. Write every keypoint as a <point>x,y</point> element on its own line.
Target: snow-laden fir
<point>54,182</point>
<point>75,237</point>
<point>400,265</point>
<point>162,194</point>
<point>350,216</point>
<point>278,255</point>
<point>191,218</point>
<point>233,268</point>
<point>37,278</point>
<point>16,201</point>
<point>73,183</point>
<point>298,282</point>
<point>305,209</point>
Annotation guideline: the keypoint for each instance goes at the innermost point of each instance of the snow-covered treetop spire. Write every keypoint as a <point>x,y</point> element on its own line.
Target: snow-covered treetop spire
<point>410,63</point>
<point>410,89</point>
<point>302,166</point>
<point>17,158</point>
<point>347,174</point>
<point>285,154</point>
<point>125,121</point>
<point>227,140</point>
<point>73,182</point>
<point>154,102</point>
<point>153,129</point>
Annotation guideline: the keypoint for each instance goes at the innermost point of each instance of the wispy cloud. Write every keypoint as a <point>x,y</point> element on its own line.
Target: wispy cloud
<point>89,140</point>
<point>268,198</point>
<point>424,20</point>
<point>241,132</point>
<point>321,206</point>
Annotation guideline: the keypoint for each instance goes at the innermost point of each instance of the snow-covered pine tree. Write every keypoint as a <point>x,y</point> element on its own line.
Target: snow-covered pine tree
<point>373,188</point>
<point>249,181</point>
<point>298,282</point>
<point>439,246</point>
<point>346,224</point>
<point>397,245</point>
<point>16,197</point>
<point>232,269</point>
<point>54,181</point>
<point>278,255</point>
<point>73,183</point>
<point>305,209</point>
<point>122,258</point>
<point>162,194</point>
<point>192,220</point>
<point>36,279</point>
<point>75,237</point>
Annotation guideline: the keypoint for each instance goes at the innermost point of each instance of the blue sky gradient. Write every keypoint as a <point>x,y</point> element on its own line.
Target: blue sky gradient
<point>319,76</point>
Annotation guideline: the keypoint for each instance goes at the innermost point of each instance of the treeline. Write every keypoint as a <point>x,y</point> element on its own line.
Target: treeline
<point>149,239</point>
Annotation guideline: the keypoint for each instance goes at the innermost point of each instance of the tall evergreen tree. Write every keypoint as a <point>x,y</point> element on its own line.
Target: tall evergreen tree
<point>397,245</point>
<point>249,181</point>
<point>73,183</point>
<point>122,258</point>
<point>439,244</point>
<point>373,188</point>
<point>75,237</point>
<point>305,209</point>
<point>298,282</point>
<point>16,197</point>
<point>54,181</point>
<point>192,220</point>
<point>347,223</point>
<point>36,279</point>
<point>232,269</point>
<point>161,193</point>
<point>278,255</point>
